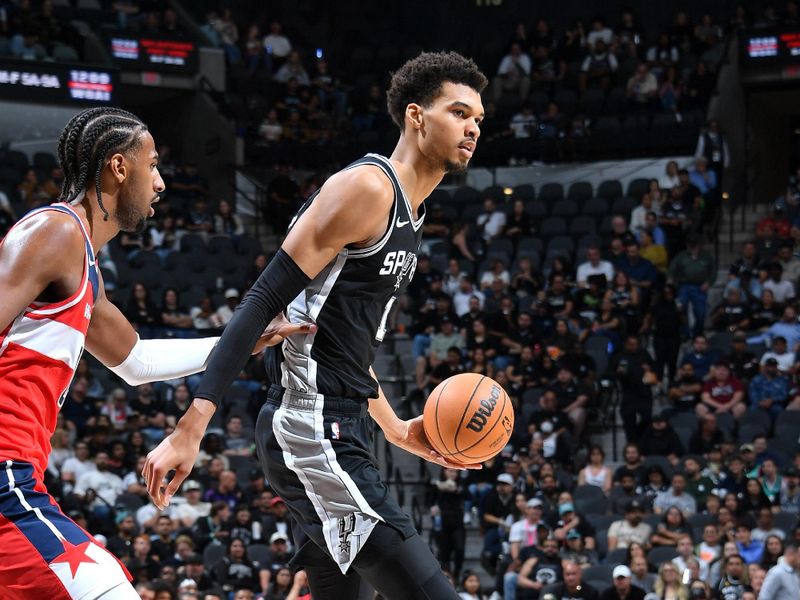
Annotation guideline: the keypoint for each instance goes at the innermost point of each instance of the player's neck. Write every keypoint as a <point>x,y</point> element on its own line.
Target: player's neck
<point>100,231</point>
<point>417,174</point>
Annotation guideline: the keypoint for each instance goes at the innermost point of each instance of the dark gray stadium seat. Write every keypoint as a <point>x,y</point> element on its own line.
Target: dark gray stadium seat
<point>616,101</point>
<point>560,245</point>
<point>661,554</point>
<point>538,101</point>
<point>551,192</point>
<point>537,209</point>
<point>599,573</point>
<point>191,242</point>
<point>553,226</point>
<point>566,209</point>
<point>580,191</point>
<point>525,192</point>
<point>596,208</point>
<point>609,189</point>
<point>567,100</point>
<point>685,419</point>
<point>530,244</point>
<point>495,192</point>
<point>624,205</point>
<point>591,102</point>
<point>638,187</point>
<point>466,195</point>
<point>582,225</point>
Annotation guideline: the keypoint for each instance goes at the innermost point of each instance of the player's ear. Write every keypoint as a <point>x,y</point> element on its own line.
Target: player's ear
<point>119,167</point>
<point>414,115</point>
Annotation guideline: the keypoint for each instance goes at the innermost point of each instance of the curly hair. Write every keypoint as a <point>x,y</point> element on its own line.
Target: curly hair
<point>420,79</point>
<point>87,140</point>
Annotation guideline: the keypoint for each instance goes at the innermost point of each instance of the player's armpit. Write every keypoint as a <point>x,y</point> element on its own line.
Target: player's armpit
<point>111,337</point>
<point>352,208</point>
<point>43,252</point>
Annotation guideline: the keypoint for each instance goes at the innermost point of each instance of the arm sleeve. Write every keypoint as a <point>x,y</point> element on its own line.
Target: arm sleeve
<point>158,360</point>
<point>276,287</point>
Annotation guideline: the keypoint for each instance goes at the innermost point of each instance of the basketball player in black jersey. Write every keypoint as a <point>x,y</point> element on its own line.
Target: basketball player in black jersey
<point>349,253</point>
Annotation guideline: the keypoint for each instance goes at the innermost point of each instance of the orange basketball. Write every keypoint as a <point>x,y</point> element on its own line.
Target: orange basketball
<point>468,418</point>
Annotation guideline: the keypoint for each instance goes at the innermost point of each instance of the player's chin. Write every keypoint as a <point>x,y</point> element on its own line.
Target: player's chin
<point>456,166</point>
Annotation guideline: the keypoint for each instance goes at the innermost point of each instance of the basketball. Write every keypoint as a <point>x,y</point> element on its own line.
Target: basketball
<point>468,418</point>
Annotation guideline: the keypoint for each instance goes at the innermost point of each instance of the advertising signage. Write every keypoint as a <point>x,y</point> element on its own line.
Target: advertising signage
<point>57,82</point>
<point>151,53</point>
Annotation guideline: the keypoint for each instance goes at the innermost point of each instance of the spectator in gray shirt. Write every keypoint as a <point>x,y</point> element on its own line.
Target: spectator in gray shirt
<point>675,496</point>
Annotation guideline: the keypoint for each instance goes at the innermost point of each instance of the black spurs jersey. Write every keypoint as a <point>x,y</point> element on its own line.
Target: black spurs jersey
<point>350,301</point>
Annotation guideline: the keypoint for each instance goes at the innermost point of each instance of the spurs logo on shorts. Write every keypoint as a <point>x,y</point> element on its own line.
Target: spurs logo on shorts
<point>347,526</point>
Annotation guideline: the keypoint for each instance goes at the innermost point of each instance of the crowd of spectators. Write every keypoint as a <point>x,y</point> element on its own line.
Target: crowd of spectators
<point>549,87</point>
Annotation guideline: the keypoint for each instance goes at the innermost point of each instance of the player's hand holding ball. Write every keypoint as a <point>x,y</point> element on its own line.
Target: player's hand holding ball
<point>468,419</point>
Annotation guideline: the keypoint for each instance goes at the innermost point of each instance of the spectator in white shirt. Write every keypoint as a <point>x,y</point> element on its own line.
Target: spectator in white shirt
<point>225,312</point>
<point>780,353</point>
<point>293,68</point>
<point>513,74</point>
<point>642,88</point>
<point>276,43</point>
<point>466,291</point>
<point>639,215</point>
<point>498,271</point>
<point>101,485</point>
<point>524,533</point>
<point>670,177</point>
<point>594,266</point>
<point>491,221</point>
<point>599,32</point>
<point>523,124</point>
<point>76,466</point>
<point>781,290</point>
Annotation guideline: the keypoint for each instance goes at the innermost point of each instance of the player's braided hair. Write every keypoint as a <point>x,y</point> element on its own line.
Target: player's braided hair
<point>420,80</point>
<point>85,143</point>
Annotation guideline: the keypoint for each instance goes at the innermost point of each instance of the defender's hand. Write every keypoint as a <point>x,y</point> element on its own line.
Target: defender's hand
<point>177,451</point>
<point>278,330</point>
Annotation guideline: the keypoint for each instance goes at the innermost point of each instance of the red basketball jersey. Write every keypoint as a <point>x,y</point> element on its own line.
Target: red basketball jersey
<point>39,352</point>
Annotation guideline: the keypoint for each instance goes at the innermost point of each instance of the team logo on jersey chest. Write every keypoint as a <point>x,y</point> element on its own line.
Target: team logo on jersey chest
<point>400,264</point>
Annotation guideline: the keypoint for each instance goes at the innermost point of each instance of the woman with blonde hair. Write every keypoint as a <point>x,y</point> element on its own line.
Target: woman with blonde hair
<point>669,586</point>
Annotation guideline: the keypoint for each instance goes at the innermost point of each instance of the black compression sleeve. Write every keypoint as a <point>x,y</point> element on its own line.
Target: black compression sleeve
<point>276,287</point>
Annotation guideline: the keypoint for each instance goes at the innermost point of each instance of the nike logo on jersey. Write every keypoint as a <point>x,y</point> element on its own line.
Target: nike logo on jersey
<point>401,223</point>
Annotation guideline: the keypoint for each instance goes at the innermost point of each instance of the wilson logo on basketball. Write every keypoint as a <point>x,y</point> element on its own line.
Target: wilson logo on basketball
<point>481,416</point>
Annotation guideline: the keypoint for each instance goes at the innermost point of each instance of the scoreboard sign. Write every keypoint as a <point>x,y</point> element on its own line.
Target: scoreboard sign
<point>57,82</point>
<point>148,53</point>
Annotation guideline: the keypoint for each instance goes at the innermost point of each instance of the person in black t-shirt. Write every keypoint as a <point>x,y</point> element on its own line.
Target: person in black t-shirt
<point>685,390</point>
<point>732,313</point>
<point>535,573</point>
<point>742,363</point>
<point>573,397</point>
<point>622,588</point>
<point>572,588</point>
<point>634,369</point>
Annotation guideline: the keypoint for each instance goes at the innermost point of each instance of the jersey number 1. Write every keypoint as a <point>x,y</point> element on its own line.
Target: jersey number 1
<point>382,326</point>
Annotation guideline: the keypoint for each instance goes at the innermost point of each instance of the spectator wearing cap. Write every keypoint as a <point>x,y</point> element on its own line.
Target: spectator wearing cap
<point>784,359</point>
<point>121,543</point>
<point>722,393</point>
<point>787,327</point>
<point>524,532</point>
<point>280,550</point>
<point>499,504</point>
<point>774,225</point>
<point>635,370</point>
<point>224,313</point>
<point>447,337</point>
<point>569,520</point>
<point>538,569</point>
<point>190,507</point>
<point>622,588</point>
<point>659,438</point>
<point>576,551</point>
<point>194,569</point>
<point>277,519</point>
<point>631,529</point>
<point>790,491</point>
<point>769,390</point>
<point>742,363</point>
<point>675,496</point>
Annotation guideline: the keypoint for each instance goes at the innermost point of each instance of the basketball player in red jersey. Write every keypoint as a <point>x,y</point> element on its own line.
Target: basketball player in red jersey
<point>53,306</point>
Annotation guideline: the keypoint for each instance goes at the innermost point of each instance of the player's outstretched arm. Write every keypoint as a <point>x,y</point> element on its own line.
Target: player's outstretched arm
<point>352,208</point>
<point>408,435</point>
<point>37,255</point>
